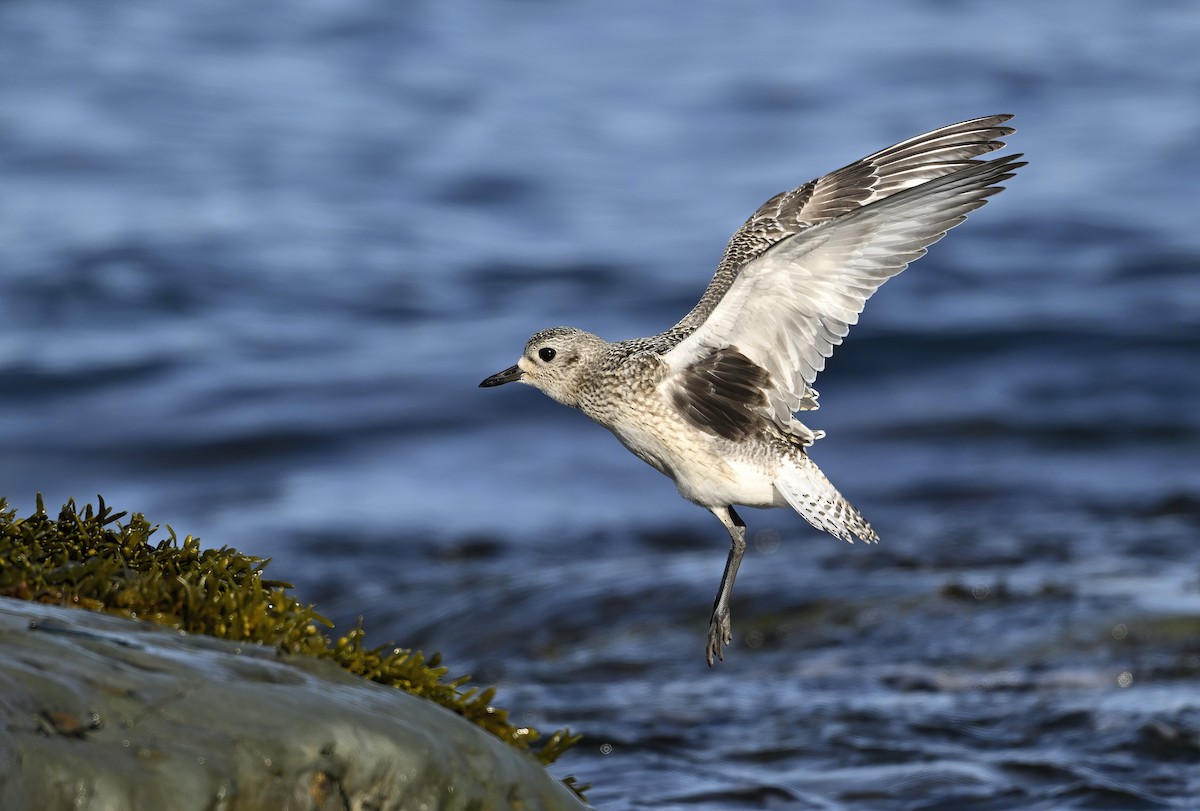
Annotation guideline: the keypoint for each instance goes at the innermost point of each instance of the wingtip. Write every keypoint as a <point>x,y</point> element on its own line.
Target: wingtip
<point>993,125</point>
<point>1010,164</point>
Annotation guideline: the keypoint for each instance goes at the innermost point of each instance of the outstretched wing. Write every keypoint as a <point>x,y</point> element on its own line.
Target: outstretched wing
<point>907,164</point>
<point>790,306</point>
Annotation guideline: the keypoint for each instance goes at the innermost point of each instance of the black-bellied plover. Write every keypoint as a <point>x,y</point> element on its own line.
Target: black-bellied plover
<point>710,402</point>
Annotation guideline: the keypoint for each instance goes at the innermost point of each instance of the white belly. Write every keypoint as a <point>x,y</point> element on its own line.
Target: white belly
<point>706,470</point>
<point>728,482</point>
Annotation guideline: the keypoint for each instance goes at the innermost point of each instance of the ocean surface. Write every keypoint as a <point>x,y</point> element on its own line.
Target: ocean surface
<point>256,257</point>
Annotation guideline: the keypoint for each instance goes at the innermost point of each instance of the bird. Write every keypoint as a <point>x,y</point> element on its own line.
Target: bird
<point>712,401</point>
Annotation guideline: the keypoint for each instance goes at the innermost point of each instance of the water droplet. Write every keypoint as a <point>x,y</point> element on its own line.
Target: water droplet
<point>766,541</point>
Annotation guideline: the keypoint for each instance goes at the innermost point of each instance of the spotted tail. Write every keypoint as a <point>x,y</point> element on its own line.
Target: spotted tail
<point>804,486</point>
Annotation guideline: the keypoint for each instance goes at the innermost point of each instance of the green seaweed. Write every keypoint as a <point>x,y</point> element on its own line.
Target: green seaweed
<point>91,560</point>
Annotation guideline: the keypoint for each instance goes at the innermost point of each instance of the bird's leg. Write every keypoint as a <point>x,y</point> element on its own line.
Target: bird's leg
<point>720,629</point>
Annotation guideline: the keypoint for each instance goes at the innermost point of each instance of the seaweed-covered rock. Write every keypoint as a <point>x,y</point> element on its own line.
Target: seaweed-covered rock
<point>102,712</point>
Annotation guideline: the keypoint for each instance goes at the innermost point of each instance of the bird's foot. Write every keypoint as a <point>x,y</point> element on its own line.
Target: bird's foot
<point>720,633</point>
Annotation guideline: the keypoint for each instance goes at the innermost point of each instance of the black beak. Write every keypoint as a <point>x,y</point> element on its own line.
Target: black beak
<point>507,376</point>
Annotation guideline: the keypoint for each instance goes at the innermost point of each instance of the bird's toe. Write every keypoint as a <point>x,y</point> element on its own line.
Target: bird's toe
<point>720,634</point>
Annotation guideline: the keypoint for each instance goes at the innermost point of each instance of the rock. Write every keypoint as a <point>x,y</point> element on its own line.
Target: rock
<point>109,714</point>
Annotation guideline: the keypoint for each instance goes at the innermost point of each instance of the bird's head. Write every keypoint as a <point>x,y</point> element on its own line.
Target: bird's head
<point>556,361</point>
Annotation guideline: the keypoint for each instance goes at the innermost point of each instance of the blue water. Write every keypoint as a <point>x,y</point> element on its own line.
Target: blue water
<point>254,259</point>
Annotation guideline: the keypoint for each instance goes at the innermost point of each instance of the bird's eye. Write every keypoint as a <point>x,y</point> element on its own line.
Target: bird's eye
<point>546,354</point>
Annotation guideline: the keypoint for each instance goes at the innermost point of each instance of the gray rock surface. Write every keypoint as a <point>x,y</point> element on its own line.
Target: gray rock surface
<point>101,713</point>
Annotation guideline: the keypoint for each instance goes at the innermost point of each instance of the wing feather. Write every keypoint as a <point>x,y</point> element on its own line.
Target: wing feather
<point>907,164</point>
<point>791,305</point>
